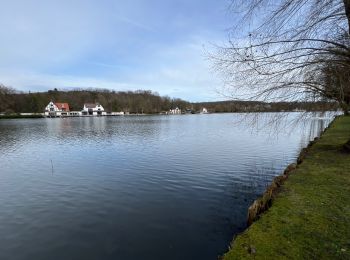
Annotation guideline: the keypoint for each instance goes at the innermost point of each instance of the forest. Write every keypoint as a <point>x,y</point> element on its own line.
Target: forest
<point>140,101</point>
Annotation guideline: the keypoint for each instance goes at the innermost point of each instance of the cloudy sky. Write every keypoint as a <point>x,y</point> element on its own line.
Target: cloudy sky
<point>122,45</point>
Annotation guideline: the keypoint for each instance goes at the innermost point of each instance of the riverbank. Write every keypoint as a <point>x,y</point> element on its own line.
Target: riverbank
<point>17,116</point>
<point>310,216</point>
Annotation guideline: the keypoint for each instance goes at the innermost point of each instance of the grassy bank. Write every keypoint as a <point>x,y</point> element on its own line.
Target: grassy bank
<point>310,216</point>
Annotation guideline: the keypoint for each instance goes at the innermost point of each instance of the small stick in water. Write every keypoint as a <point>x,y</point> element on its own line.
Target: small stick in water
<point>51,166</point>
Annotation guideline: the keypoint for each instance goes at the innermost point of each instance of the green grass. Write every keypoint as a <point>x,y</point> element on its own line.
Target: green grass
<point>310,217</point>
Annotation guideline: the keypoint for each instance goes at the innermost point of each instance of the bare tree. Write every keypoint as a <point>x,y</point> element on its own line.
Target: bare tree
<point>288,50</point>
<point>330,77</point>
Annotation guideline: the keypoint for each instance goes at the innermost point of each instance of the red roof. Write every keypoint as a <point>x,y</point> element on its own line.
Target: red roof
<point>62,106</point>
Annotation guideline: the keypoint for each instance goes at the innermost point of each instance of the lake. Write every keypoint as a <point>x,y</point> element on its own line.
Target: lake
<point>137,187</point>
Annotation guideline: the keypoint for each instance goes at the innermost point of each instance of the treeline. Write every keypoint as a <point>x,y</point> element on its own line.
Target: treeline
<point>141,101</point>
<point>256,106</point>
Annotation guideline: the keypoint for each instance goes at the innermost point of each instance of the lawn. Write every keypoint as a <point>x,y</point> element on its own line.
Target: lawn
<point>310,216</point>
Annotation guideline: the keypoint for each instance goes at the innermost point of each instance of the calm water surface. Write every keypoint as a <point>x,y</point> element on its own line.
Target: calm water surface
<point>151,187</point>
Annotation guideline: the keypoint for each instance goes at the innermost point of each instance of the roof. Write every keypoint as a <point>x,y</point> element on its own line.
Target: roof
<point>62,106</point>
<point>90,105</point>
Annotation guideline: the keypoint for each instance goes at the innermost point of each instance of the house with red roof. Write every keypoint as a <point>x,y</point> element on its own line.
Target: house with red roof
<point>64,107</point>
<point>57,109</point>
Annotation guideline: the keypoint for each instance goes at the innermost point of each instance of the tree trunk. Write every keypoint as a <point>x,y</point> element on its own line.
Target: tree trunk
<point>345,107</point>
<point>346,147</point>
<point>346,110</point>
<point>347,12</point>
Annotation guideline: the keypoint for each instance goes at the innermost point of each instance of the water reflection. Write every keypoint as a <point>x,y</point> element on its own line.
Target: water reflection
<point>152,187</point>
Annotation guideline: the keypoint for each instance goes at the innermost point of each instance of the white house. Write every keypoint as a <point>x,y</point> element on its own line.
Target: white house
<point>93,109</point>
<point>204,111</point>
<point>175,111</point>
<point>57,109</point>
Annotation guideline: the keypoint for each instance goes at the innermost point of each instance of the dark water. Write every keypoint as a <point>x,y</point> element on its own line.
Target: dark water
<point>151,187</point>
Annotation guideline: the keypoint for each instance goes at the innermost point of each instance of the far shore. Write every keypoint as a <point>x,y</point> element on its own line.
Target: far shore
<point>41,115</point>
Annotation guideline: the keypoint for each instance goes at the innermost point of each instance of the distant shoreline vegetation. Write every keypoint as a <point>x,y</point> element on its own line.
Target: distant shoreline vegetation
<point>16,116</point>
<point>13,102</point>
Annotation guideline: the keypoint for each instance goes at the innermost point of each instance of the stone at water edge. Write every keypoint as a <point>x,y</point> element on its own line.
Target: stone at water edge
<point>346,147</point>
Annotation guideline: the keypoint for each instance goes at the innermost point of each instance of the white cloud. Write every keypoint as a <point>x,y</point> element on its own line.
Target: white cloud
<point>68,44</point>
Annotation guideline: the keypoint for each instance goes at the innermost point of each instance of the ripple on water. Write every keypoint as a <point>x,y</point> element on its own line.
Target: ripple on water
<point>134,187</point>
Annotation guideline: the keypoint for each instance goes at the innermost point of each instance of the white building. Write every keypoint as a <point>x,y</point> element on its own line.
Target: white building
<point>93,109</point>
<point>175,111</point>
<point>57,109</point>
<point>116,113</point>
<point>204,111</point>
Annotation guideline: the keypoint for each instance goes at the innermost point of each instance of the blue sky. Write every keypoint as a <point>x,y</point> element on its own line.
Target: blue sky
<point>122,45</point>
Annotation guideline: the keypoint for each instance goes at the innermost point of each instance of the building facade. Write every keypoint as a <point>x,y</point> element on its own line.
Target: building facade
<point>91,109</point>
<point>57,109</point>
<point>176,111</point>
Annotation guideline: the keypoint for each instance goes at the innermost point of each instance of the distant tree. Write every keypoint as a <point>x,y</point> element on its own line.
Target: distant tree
<point>6,102</point>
